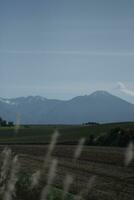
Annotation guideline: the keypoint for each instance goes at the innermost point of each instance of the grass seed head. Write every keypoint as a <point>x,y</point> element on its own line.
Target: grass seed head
<point>129,154</point>
<point>17,124</point>
<point>67,183</point>
<point>87,189</point>
<point>35,178</point>
<point>10,190</point>
<point>79,148</point>
<point>51,147</point>
<point>50,179</point>
<point>7,158</point>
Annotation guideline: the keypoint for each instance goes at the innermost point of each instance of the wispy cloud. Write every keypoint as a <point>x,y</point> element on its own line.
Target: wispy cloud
<point>67,52</point>
<point>122,87</point>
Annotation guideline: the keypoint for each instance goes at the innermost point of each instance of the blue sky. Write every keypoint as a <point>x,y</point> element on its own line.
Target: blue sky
<point>63,48</point>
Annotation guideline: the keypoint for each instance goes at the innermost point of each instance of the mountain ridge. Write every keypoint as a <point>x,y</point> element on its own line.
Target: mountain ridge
<point>100,92</point>
<point>99,106</point>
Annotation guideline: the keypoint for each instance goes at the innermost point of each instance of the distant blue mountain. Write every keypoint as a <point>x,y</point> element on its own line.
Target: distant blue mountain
<point>99,106</point>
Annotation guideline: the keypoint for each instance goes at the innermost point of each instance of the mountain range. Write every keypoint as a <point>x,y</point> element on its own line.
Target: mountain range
<point>99,106</point>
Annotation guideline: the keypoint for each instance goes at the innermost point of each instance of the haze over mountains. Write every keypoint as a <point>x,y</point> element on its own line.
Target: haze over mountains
<point>99,106</point>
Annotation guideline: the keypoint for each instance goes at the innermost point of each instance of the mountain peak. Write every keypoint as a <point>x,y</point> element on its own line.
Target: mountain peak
<point>100,92</point>
<point>40,98</point>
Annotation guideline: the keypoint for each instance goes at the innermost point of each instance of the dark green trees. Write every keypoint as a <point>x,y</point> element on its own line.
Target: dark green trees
<point>4,123</point>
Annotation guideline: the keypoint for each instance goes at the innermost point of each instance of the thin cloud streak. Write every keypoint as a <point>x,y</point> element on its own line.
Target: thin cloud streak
<point>124,89</point>
<point>82,53</point>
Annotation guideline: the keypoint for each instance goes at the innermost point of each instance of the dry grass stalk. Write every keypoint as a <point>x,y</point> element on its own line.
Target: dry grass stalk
<point>67,183</point>
<point>50,149</point>
<point>51,176</point>
<point>5,169</point>
<point>79,148</point>
<point>35,178</point>
<point>10,190</point>
<point>129,154</point>
<point>17,124</point>
<point>87,189</point>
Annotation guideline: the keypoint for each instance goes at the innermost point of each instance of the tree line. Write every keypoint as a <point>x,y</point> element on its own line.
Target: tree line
<point>114,137</point>
<point>5,123</point>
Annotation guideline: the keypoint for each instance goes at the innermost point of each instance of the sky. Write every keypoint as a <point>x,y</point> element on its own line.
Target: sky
<point>64,48</point>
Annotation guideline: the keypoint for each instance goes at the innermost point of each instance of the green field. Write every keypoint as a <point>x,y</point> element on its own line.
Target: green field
<point>68,133</point>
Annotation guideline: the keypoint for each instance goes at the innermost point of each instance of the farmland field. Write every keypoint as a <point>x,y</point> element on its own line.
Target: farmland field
<point>99,172</point>
<point>68,133</point>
